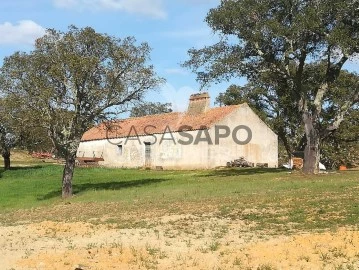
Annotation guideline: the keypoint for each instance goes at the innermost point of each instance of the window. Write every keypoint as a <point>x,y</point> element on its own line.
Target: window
<point>119,149</point>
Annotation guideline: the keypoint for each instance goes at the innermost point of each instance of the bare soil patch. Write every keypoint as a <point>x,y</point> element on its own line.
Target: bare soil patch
<point>173,242</point>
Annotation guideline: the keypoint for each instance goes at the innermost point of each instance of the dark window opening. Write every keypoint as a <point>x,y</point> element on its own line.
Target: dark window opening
<point>119,149</point>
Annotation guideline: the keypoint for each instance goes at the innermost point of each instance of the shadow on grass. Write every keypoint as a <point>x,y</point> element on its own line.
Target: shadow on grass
<point>23,168</point>
<point>243,171</point>
<point>20,168</point>
<point>104,186</point>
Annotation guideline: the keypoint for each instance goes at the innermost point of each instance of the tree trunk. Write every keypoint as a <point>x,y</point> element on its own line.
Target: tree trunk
<point>67,177</point>
<point>283,137</point>
<point>311,151</point>
<point>6,157</point>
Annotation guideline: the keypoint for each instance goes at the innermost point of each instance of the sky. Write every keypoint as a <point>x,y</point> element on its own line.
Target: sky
<point>171,27</point>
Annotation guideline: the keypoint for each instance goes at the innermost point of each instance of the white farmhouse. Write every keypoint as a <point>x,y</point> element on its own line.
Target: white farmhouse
<point>200,138</point>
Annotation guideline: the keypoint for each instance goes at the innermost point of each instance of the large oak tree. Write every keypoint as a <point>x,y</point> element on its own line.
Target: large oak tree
<point>284,40</point>
<point>276,109</point>
<point>150,108</point>
<point>74,79</point>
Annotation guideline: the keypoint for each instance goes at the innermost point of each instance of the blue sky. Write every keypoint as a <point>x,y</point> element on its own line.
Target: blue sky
<point>171,27</point>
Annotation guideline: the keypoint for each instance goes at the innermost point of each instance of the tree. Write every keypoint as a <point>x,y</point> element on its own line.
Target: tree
<point>34,138</point>
<point>28,130</point>
<point>342,146</point>
<point>284,41</point>
<point>71,80</point>
<point>285,120</point>
<point>7,137</point>
<point>149,108</point>
<point>7,142</point>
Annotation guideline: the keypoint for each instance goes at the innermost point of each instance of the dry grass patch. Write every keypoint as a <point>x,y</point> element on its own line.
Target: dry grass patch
<point>50,245</point>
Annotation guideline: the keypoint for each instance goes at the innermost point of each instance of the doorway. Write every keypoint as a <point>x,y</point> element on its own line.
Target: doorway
<point>147,155</point>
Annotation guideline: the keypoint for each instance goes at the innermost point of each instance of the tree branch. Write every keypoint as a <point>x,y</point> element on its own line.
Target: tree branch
<point>343,110</point>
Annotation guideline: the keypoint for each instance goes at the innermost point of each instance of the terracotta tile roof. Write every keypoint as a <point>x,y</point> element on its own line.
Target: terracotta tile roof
<point>157,124</point>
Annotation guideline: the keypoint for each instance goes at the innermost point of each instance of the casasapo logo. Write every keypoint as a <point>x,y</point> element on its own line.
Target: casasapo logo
<point>184,135</point>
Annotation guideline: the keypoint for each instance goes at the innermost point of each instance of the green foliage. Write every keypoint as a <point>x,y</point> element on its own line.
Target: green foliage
<point>7,137</point>
<point>7,140</point>
<point>338,147</point>
<point>149,108</point>
<point>29,132</point>
<point>295,51</point>
<point>73,79</point>
<point>342,146</point>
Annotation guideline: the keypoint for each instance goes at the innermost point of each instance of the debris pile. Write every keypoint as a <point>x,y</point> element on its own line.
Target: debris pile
<point>297,163</point>
<point>241,162</point>
<point>42,155</point>
<point>262,165</point>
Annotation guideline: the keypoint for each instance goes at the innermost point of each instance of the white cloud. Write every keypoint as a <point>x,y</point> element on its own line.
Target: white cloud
<point>152,8</point>
<point>178,97</point>
<point>25,32</point>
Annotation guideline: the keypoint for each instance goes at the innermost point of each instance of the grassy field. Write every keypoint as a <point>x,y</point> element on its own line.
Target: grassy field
<point>142,219</point>
<point>272,198</point>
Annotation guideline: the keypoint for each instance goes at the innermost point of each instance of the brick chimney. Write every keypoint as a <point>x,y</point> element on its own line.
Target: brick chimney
<point>198,103</point>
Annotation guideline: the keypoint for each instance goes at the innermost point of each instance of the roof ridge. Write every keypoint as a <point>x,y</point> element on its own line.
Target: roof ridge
<point>167,113</point>
<point>159,123</point>
<point>151,115</point>
<point>226,106</point>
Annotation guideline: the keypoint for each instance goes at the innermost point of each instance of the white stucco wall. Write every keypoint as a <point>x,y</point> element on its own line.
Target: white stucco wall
<point>263,148</point>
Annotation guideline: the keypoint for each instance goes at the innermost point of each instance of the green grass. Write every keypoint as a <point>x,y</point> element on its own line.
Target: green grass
<point>270,198</point>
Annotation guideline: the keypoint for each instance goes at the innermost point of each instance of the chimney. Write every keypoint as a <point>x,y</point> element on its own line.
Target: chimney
<point>198,103</point>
